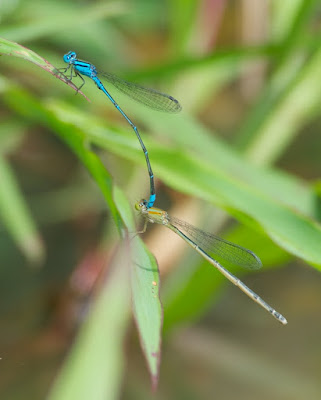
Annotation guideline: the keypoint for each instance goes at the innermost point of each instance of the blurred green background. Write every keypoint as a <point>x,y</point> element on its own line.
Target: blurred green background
<point>242,160</point>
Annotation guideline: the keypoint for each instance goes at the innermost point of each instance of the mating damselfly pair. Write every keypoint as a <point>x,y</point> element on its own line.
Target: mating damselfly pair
<point>201,241</point>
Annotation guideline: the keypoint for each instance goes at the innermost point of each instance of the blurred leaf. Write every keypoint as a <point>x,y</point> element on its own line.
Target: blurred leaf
<point>289,113</point>
<point>192,63</point>
<point>16,216</point>
<point>95,365</point>
<point>183,130</point>
<point>11,135</point>
<point>283,15</point>
<point>297,20</point>
<point>77,141</point>
<point>182,24</point>
<point>269,253</point>
<point>198,86</point>
<point>276,98</point>
<point>63,17</point>
<point>147,307</point>
<point>189,292</point>
<point>104,181</point>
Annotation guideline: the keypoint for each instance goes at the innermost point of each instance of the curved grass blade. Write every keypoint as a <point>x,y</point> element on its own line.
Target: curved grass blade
<point>14,49</point>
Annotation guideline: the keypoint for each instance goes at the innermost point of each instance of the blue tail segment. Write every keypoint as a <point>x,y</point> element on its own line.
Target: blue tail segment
<point>151,200</point>
<point>149,97</point>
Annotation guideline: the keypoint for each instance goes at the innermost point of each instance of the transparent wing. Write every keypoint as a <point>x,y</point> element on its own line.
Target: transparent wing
<point>149,97</point>
<point>215,245</point>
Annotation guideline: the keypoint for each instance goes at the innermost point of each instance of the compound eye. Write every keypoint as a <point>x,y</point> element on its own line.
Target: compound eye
<point>71,55</point>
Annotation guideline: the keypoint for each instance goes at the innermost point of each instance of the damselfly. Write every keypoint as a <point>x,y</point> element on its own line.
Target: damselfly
<point>202,241</point>
<point>149,97</point>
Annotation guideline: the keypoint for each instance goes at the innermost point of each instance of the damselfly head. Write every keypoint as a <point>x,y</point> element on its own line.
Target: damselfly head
<point>141,206</point>
<point>69,57</point>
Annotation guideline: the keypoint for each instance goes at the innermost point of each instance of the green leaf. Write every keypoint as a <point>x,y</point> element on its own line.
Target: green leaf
<point>146,303</point>
<point>277,115</point>
<point>16,216</point>
<point>229,57</point>
<point>290,110</point>
<point>104,181</point>
<point>95,365</point>
<point>76,139</point>
<point>182,24</point>
<point>276,184</point>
